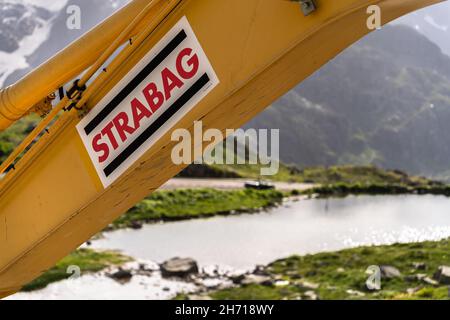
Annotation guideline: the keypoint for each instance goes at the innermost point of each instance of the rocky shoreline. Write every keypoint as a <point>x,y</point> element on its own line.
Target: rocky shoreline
<point>207,280</point>
<point>406,271</point>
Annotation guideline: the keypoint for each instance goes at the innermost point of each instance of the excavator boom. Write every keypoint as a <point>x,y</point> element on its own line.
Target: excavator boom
<point>233,59</point>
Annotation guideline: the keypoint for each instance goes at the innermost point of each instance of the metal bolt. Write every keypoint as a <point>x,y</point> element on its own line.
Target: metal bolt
<point>308,6</point>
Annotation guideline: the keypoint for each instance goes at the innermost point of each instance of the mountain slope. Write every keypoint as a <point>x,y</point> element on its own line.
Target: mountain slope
<point>47,30</point>
<point>433,22</point>
<point>385,101</point>
<point>23,28</point>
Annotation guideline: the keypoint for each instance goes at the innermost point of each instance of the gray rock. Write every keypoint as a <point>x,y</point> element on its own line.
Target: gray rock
<point>310,295</point>
<point>443,275</point>
<point>356,293</point>
<point>199,298</point>
<point>419,266</point>
<point>144,273</point>
<point>135,225</point>
<point>305,285</point>
<point>18,21</point>
<point>238,278</point>
<point>255,279</point>
<point>122,276</point>
<point>281,283</point>
<point>421,276</point>
<point>390,272</point>
<point>430,281</point>
<point>261,271</point>
<point>179,268</point>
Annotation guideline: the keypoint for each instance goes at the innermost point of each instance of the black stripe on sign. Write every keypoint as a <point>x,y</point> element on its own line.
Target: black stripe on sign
<point>149,68</point>
<point>151,130</point>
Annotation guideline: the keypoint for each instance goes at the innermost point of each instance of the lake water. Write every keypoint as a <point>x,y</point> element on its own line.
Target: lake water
<point>302,227</point>
<point>241,242</point>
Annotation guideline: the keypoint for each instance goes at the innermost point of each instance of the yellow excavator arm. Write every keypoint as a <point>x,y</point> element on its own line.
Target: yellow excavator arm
<point>171,62</point>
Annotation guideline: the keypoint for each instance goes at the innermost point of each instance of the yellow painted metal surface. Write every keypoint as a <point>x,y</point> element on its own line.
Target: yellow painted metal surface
<point>16,100</point>
<point>260,49</point>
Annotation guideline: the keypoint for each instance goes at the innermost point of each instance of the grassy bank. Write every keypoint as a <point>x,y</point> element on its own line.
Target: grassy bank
<point>343,189</point>
<point>367,175</point>
<point>87,260</point>
<point>10,138</point>
<point>342,275</point>
<point>190,204</point>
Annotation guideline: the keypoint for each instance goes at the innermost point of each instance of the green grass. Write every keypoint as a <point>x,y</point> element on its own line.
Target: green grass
<point>201,203</point>
<point>87,260</point>
<point>12,137</point>
<point>349,174</point>
<point>338,272</point>
<point>367,175</point>
<point>359,174</point>
<point>343,189</point>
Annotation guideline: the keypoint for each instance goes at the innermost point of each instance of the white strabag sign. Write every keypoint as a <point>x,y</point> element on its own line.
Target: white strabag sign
<point>158,92</point>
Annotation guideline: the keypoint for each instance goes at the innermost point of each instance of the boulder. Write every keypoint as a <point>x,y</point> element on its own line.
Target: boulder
<point>421,276</point>
<point>430,281</point>
<point>310,295</point>
<point>199,298</point>
<point>261,271</point>
<point>135,225</point>
<point>419,266</point>
<point>122,276</point>
<point>356,293</point>
<point>237,279</point>
<point>179,268</point>
<point>305,285</point>
<point>255,279</point>
<point>281,283</point>
<point>442,275</point>
<point>390,272</point>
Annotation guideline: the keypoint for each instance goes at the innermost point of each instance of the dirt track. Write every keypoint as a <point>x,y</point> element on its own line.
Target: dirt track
<point>226,184</point>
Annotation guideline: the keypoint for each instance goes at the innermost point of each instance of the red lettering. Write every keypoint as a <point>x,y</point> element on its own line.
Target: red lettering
<point>121,123</point>
<point>187,66</point>
<point>100,147</point>
<point>139,112</point>
<point>107,131</point>
<point>151,94</point>
<point>193,63</point>
<point>170,82</point>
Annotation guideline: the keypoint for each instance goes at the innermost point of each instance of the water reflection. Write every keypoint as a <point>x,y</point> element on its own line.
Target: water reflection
<point>297,228</point>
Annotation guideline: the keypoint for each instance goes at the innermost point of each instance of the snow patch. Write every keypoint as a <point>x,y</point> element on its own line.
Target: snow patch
<point>17,60</point>
<point>53,5</point>
<point>430,20</point>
